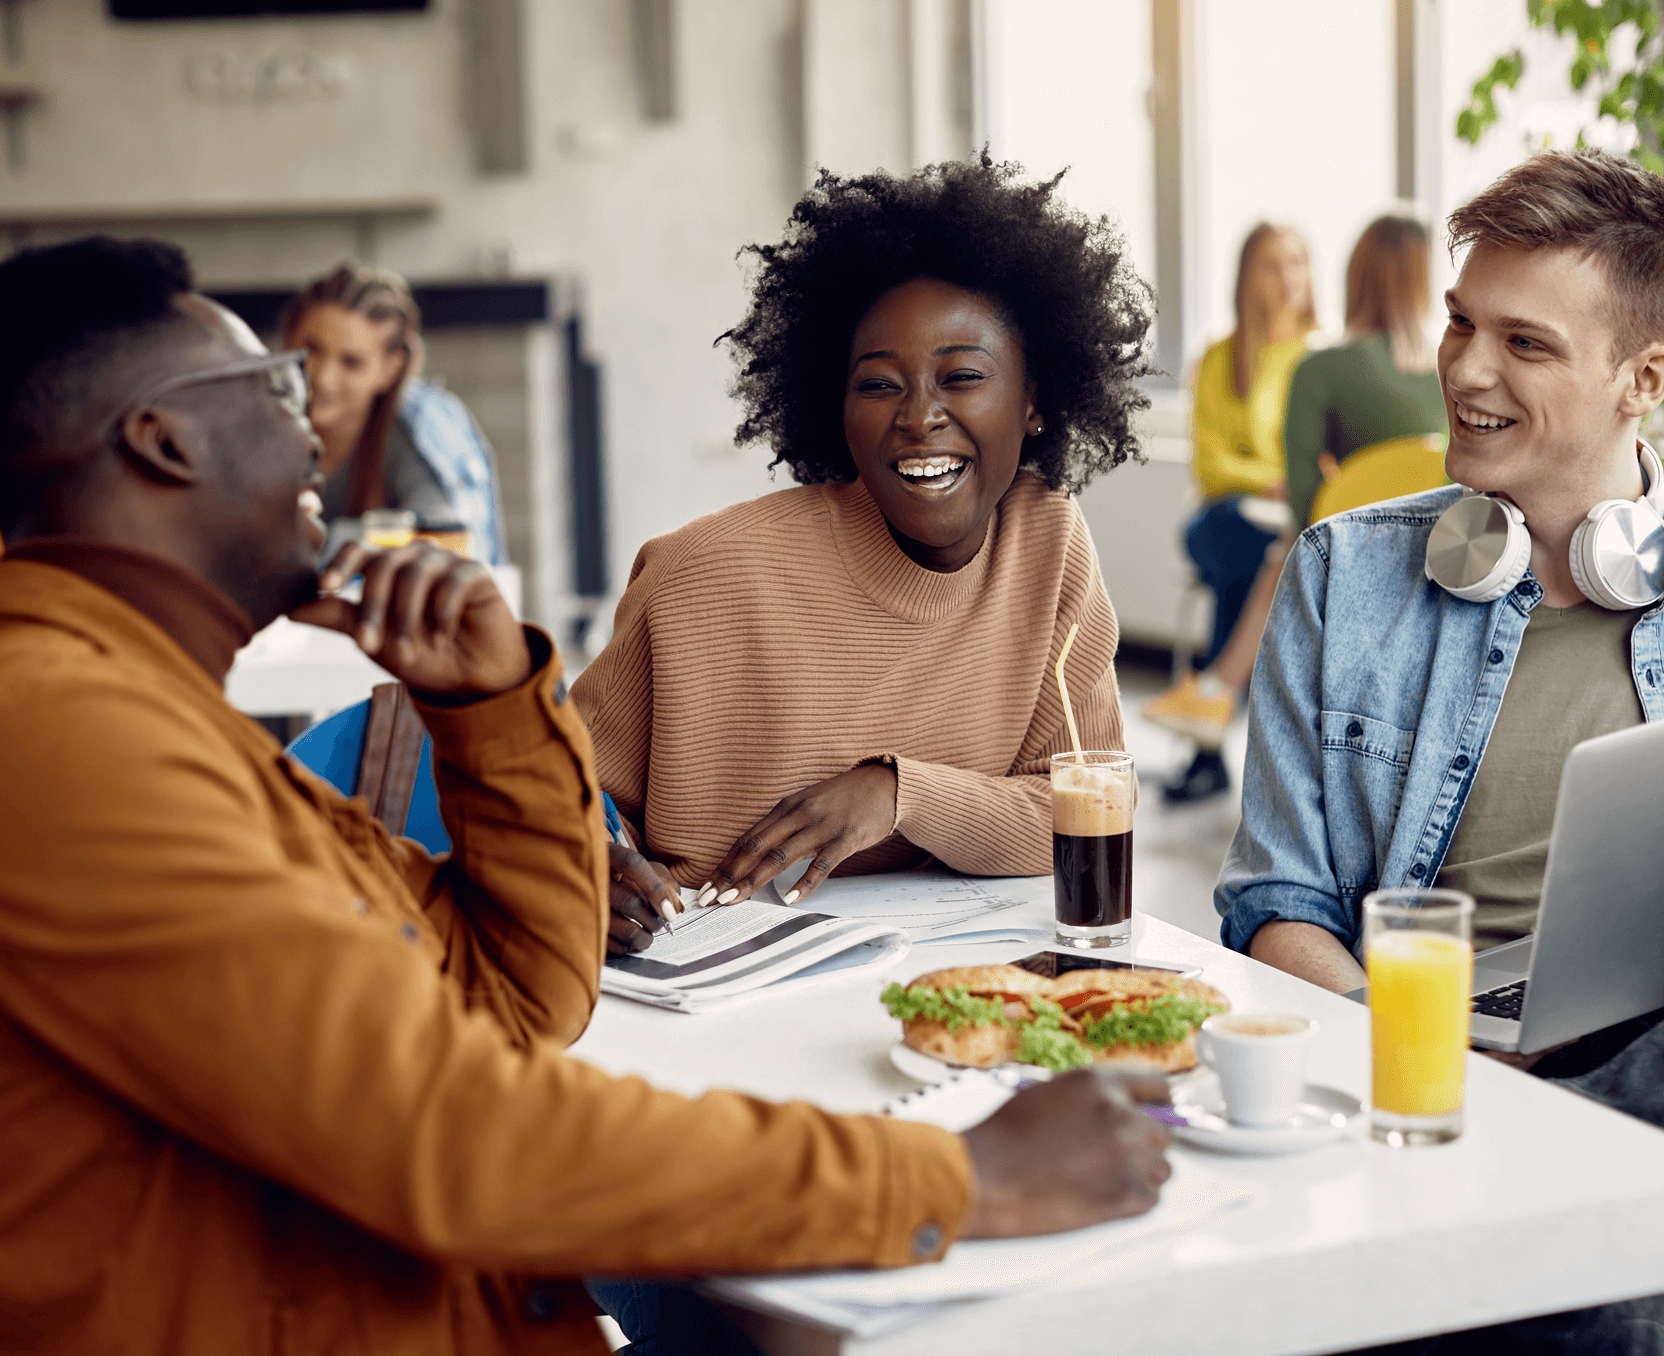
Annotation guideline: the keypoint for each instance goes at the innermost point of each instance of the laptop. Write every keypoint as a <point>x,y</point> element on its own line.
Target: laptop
<point>1597,957</point>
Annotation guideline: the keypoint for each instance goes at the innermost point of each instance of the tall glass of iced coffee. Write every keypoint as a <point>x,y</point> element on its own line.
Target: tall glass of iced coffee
<point>1093,795</point>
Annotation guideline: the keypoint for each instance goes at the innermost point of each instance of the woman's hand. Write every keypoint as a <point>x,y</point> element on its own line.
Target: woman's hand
<point>433,620</point>
<point>643,897</point>
<point>826,822</point>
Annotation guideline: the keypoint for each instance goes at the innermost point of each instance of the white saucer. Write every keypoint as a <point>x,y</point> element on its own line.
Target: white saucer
<point>1325,1114</point>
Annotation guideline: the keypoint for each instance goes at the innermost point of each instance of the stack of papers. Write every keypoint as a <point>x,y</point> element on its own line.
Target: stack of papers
<point>939,906</point>
<point>864,1303</point>
<point>722,953</point>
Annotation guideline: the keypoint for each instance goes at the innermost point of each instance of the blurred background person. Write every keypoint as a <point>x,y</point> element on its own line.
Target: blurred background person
<point>1380,383</point>
<point>1242,390</point>
<point>391,440</point>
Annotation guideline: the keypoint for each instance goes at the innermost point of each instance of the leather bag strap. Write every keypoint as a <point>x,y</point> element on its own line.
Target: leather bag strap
<point>393,736</point>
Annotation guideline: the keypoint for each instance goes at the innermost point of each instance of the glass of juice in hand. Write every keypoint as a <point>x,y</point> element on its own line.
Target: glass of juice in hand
<point>1418,950</point>
<point>1093,795</point>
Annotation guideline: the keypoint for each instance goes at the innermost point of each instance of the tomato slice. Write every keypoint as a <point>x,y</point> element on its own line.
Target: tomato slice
<point>1097,1005</point>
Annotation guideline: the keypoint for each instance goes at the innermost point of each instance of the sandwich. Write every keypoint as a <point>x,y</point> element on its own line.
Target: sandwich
<point>985,1015</point>
<point>1137,1016</point>
<point>968,1015</point>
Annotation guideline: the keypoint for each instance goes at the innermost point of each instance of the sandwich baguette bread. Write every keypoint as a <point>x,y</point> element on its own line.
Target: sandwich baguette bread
<point>1138,1016</point>
<point>985,1015</point>
<point>969,1014</point>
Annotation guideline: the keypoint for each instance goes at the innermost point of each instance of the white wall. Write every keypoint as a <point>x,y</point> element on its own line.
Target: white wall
<point>1294,121</point>
<point>1296,114</point>
<point>647,217</point>
<point>141,115</point>
<point>1068,81</point>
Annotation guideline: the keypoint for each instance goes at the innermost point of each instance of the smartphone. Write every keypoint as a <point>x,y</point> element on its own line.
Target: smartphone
<point>1051,964</point>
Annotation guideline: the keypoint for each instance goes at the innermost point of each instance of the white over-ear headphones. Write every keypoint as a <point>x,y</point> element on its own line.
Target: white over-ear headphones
<point>1479,548</point>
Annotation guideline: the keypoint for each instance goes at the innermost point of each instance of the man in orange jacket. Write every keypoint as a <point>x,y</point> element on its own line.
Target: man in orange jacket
<point>271,1080</point>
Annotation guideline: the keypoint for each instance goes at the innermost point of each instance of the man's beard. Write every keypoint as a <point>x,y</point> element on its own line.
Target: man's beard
<point>264,588</point>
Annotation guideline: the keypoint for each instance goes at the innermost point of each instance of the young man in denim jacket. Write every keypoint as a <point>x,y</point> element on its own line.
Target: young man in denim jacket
<point>1377,693</point>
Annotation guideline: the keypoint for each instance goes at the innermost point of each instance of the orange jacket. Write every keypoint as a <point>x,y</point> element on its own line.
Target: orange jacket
<point>271,1081</point>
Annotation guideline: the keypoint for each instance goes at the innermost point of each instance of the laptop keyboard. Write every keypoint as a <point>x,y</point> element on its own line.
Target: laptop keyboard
<point>1504,1002</point>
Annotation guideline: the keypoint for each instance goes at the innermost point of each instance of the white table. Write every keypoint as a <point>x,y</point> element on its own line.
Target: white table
<point>1548,1202</point>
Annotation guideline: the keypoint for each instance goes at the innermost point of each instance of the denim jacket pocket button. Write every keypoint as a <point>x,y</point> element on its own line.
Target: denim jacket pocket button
<point>1495,656</point>
<point>1354,730</point>
<point>1461,761</point>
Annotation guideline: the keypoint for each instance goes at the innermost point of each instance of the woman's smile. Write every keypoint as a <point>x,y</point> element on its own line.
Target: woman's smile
<point>933,473</point>
<point>936,408</point>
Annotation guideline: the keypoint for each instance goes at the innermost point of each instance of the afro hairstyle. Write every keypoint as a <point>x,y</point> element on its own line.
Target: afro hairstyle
<point>1061,280</point>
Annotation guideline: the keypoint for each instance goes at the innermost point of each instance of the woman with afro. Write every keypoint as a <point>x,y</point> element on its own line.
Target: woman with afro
<point>857,672</point>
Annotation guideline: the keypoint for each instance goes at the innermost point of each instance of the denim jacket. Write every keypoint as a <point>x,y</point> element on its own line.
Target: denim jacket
<point>457,452</point>
<point>1373,696</point>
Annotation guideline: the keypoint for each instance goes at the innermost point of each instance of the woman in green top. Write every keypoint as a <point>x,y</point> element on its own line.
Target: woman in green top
<point>1380,383</point>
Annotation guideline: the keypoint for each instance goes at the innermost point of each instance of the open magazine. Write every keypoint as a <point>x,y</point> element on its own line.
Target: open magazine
<point>724,952</point>
<point>937,905</point>
<point>721,952</point>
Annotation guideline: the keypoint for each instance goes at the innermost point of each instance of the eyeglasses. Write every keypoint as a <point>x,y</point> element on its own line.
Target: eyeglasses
<point>285,373</point>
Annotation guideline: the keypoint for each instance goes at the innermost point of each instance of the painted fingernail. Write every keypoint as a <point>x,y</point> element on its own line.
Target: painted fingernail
<point>792,897</point>
<point>666,910</point>
<point>369,638</point>
<point>728,896</point>
<point>706,896</point>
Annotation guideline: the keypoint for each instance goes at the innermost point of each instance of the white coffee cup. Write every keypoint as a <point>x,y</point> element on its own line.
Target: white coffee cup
<point>1260,1058</point>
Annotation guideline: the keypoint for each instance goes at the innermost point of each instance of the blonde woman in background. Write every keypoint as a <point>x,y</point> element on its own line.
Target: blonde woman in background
<point>1381,382</point>
<point>1242,389</point>
<point>391,440</point>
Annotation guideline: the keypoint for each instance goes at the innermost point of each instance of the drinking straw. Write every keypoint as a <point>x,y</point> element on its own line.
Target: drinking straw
<point>1063,692</point>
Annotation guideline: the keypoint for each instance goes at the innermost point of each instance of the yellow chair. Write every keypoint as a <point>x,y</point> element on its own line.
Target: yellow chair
<point>1383,470</point>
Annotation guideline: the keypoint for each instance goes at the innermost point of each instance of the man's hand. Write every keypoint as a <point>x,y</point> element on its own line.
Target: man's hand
<point>433,620</point>
<point>825,822</point>
<point>1068,1153</point>
<point>643,897</point>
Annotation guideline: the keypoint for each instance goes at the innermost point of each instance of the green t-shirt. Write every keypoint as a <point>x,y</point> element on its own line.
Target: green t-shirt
<point>1349,397</point>
<point>1571,682</point>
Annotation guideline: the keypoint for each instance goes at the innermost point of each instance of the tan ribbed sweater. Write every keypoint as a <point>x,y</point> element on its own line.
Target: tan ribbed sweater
<point>779,642</point>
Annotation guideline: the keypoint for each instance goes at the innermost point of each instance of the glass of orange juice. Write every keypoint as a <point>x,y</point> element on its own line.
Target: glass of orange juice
<point>389,528</point>
<point>1418,950</point>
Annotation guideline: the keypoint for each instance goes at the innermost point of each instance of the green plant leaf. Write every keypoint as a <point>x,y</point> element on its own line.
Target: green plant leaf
<point>1633,95</point>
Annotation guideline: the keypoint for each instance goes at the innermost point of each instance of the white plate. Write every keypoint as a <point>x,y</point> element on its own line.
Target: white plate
<point>928,1069</point>
<point>1325,1114</point>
